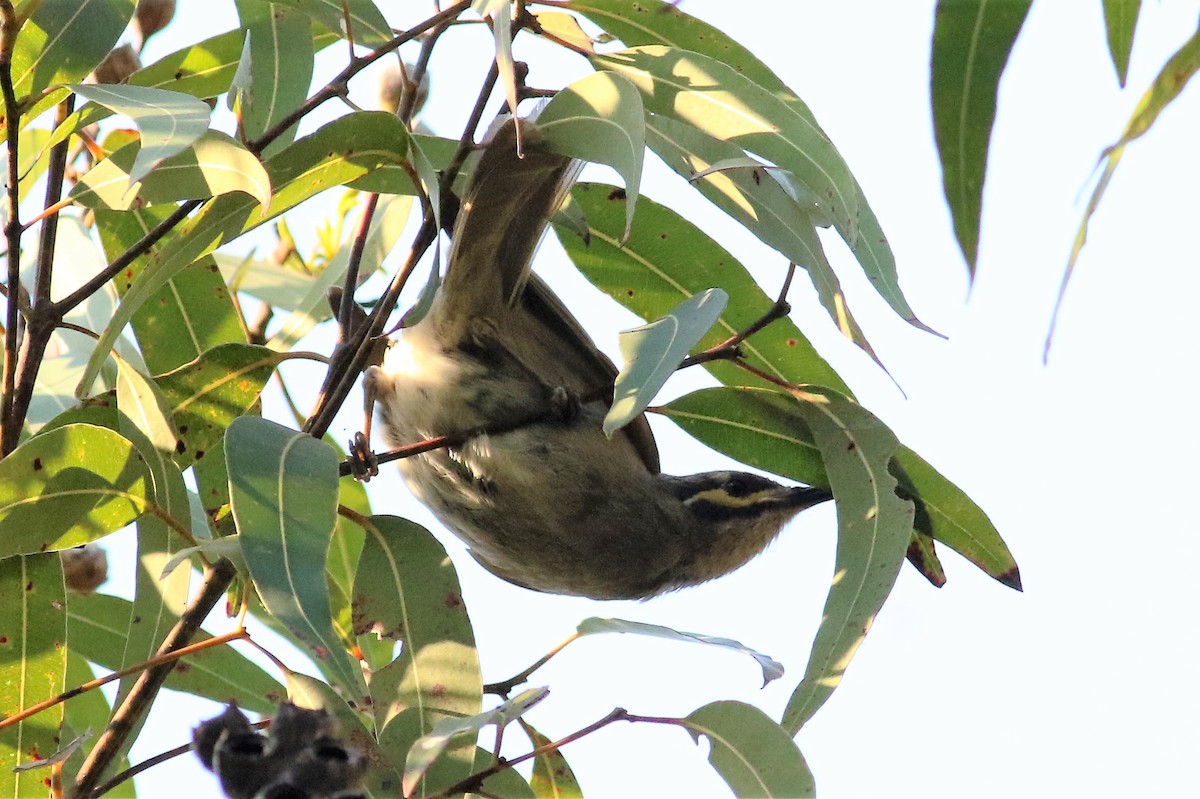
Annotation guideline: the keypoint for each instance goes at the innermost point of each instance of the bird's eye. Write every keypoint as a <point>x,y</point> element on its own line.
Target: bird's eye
<point>737,487</point>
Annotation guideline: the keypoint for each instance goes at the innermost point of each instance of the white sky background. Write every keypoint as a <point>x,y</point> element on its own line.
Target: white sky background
<point>1083,685</point>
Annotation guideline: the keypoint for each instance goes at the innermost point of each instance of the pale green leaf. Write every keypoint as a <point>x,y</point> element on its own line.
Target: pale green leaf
<point>1169,83</point>
<point>771,668</point>
<point>752,753</point>
<point>212,165</point>
<point>874,527</point>
<point>69,486</point>
<point>652,353</point>
<point>168,121</point>
<point>600,118</point>
<point>709,95</point>
<point>283,487</point>
<point>453,730</point>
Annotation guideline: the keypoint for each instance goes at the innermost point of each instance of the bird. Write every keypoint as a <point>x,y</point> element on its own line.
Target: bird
<point>540,495</point>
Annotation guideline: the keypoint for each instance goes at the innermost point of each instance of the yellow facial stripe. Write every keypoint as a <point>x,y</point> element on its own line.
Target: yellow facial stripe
<point>719,496</point>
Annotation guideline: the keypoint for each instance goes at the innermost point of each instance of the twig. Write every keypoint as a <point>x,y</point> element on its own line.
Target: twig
<point>504,687</point>
<point>10,426</point>
<point>140,697</point>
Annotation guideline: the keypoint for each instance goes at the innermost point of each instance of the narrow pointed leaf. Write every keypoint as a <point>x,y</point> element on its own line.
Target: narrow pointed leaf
<point>971,43</point>
<point>651,354</point>
<point>600,119</point>
<point>753,754</point>
<point>67,487</point>
<point>1120,20</point>
<point>874,527</point>
<point>33,666</point>
<point>168,121</point>
<point>771,668</point>
<point>552,775</point>
<point>709,95</point>
<point>1170,81</point>
<point>283,486</point>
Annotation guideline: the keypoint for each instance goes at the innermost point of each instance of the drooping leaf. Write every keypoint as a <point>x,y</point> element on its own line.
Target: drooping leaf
<point>1120,20</point>
<point>971,43</point>
<point>874,527</point>
<point>452,730</point>
<point>283,487</point>
<point>651,354</point>
<point>97,629</point>
<point>1168,84</point>
<point>771,668</point>
<point>207,394</point>
<point>168,121</point>
<point>754,755</point>
<point>69,486</point>
<point>212,165</point>
<point>600,119</point>
<point>641,22</point>
<point>762,206</point>
<point>339,152</point>
<point>668,259</point>
<point>715,98</point>
<point>281,67</point>
<point>33,666</point>
<point>64,40</point>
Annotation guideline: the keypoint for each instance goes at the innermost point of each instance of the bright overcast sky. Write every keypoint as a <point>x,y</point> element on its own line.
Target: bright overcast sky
<point>1083,685</point>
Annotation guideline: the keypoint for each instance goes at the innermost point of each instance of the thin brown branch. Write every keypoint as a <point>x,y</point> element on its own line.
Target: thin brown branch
<point>504,687</point>
<point>216,580</point>
<point>10,426</point>
<point>55,171</point>
<point>352,268</point>
<point>91,685</point>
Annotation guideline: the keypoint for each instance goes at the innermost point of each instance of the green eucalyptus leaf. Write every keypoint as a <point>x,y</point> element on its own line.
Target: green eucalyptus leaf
<point>600,119</point>
<point>64,40</point>
<point>34,667</point>
<point>363,22</point>
<point>212,165</point>
<point>1120,21</point>
<point>709,95</point>
<point>97,629</point>
<point>874,527</point>
<point>168,121</point>
<point>281,67</point>
<point>971,43</point>
<point>339,152</point>
<point>69,486</point>
<point>666,260</point>
<point>754,755</point>
<point>283,487</point>
<point>552,775</point>
<point>652,353</point>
